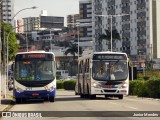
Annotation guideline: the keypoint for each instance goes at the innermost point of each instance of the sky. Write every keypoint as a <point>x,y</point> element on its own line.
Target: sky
<point>60,8</point>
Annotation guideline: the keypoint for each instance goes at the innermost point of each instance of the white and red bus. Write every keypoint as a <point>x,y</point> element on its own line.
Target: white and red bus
<point>103,73</point>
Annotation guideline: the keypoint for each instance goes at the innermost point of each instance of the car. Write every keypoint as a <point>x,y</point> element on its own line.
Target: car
<point>74,77</point>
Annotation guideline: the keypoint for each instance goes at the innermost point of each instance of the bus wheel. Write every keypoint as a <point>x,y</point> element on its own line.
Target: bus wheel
<point>18,100</point>
<point>120,96</point>
<point>51,98</point>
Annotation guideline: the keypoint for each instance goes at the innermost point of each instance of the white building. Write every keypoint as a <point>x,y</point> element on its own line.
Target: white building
<point>43,13</point>
<point>138,30</point>
<point>31,24</point>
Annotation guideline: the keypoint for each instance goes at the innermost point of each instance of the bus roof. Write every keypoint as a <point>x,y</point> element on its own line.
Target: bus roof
<point>108,52</point>
<point>40,51</point>
<point>103,52</point>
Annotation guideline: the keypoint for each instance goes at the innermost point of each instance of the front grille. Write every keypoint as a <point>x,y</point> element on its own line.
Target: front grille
<point>109,90</point>
<point>34,83</point>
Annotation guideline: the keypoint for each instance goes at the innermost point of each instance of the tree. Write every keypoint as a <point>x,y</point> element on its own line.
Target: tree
<point>107,37</point>
<point>73,49</point>
<point>12,42</point>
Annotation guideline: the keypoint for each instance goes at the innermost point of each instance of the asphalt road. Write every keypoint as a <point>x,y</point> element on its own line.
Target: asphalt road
<point>69,106</point>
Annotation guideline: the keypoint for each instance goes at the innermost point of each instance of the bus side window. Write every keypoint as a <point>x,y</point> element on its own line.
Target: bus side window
<point>81,67</point>
<point>12,67</point>
<point>86,66</point>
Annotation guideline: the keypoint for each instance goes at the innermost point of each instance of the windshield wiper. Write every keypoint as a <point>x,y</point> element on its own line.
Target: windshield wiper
<point>116,62</point>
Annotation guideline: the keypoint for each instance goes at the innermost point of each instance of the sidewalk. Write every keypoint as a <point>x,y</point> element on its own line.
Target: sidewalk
<point>6,102</point>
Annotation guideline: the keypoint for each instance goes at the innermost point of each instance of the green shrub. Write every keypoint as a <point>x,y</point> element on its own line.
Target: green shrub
<point>131,88</point>
<point>138,87</point>
<point>153,88</point>
<point>150,74</point>
<point>142,88</point>
<point>60,84</point>
<point>58,77</point>
<point>69,85</point>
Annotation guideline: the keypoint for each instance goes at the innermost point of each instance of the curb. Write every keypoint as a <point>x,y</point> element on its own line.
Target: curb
<point>7,107</point>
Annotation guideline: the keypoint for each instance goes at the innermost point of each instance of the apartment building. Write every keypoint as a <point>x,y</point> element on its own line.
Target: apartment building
<point>85,27</point>
<point>138,26</point>
<point>19,26</point>
<point>49,22</point>
<point>31,24</point>
<point>72,21</point>
<point>7,10</point>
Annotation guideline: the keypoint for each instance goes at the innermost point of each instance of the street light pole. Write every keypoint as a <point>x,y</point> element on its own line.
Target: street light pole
<point>111,16</point>
<point>111,32</point>
<point>6,83</point>
<point>78,40</point>
<point>27,41</point>
<point>50,40</point>
<point>34,7</point>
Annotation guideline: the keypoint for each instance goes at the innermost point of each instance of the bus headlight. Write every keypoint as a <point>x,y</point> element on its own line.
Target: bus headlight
<point>19,90</point>
<point>96,85</point>
<point>50,89</point>
<point>124,86</point>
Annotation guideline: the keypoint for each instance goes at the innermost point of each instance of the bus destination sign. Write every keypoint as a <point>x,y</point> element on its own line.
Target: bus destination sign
<point>109,57</point>
<point>34,56</point>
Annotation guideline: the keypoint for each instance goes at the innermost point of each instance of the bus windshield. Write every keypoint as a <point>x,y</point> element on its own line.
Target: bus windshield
<point>34,70</point>
<point>110,70</point>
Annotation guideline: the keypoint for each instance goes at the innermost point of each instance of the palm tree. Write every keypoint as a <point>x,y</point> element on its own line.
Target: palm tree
<point>73,49</point>
<point>107,37</point>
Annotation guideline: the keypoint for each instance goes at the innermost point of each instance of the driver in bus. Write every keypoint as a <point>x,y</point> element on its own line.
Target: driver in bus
<point>100,73</point>
<point>24,72</point>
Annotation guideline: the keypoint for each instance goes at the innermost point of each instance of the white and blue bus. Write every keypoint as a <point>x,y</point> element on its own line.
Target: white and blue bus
<point>103,73</point>
<point>34,76</point>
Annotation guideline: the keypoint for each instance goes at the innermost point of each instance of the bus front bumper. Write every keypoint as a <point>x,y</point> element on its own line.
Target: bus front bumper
<point>104,91</point>
<point>34,94</point>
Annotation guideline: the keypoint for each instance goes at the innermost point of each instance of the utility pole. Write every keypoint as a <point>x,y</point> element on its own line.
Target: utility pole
<point>111,17</point>
<point>0,50</point>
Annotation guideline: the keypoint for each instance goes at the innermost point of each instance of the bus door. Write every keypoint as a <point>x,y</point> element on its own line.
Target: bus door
<point>81,78</point>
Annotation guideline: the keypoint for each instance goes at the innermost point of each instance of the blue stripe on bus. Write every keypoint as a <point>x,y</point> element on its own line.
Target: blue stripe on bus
<point>29,94</point>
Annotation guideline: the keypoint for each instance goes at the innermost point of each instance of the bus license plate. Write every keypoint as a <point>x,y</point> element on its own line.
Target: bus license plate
<point>108,86</point>
<point>35,94</point>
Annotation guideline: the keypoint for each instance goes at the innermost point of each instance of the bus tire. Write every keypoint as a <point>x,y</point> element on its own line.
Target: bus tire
<point>51,98</point>
<point>18,100</point>
<point>120,96</point>
<point>87,95</point>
